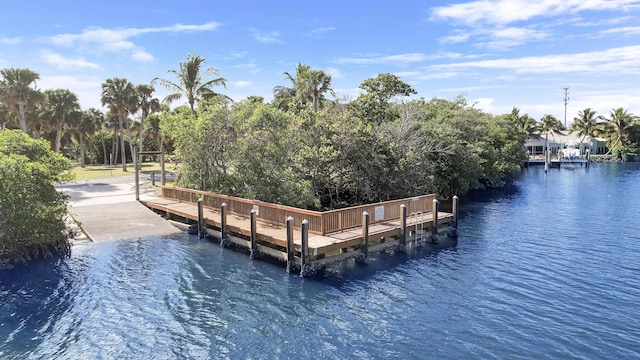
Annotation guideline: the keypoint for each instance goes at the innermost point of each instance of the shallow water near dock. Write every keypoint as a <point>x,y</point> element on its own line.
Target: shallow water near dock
<point>546,268</point>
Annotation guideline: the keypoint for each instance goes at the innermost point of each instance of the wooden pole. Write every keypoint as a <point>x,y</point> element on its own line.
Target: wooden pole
<point>453,232</point>
<point>434,227</point>
<point>403,226</point>
<point>163,174</point>
<point>200,219</point>
<point>135,166</point>
<point>304,248</point>
<point>365,235</point>
<point>254,250</point>
<point>223,224</point>
<point>290,258</point>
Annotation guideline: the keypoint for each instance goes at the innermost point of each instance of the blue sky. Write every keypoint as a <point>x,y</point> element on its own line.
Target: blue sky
<point>498,53</point>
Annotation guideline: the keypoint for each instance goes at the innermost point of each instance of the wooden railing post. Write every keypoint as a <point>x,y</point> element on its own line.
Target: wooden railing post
<point>453,232</point>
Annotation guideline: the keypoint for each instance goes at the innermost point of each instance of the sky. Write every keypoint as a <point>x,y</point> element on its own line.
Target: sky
<point>496,53</point>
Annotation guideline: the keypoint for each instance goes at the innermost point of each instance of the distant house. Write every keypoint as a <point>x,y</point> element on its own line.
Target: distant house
<point>558,140</point>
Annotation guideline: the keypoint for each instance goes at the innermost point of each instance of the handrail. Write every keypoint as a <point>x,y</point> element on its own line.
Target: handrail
<point>319,222</point>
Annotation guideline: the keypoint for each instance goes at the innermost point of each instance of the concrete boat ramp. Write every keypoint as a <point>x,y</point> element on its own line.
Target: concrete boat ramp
<point>106,209</point>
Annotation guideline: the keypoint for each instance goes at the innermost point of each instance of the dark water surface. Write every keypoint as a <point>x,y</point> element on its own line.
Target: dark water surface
<point>547,268</point>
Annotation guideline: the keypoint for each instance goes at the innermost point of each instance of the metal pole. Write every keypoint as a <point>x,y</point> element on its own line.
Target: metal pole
<point>290,259</point>
<point>304,248</point>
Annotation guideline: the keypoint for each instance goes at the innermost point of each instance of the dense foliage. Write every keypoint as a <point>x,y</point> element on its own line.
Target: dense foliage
<point>343,155</point>
<point>31,209</point>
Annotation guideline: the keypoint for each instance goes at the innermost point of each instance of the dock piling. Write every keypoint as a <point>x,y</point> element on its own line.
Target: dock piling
<point>200,219</point>
<point>290,258</point>
<point>223,225</point>
<point>254,249</point>
<point>305,248</point>
<point>434,228</point>
<point>403,226</point>
<point>453,232</point>
<point>365,239</point>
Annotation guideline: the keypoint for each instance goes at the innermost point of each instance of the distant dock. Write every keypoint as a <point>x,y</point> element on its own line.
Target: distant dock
<point>306,240</point>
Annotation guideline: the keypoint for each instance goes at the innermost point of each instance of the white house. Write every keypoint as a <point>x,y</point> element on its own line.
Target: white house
<point>558,140</point>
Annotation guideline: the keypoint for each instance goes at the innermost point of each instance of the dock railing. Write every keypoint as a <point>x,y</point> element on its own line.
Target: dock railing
<point>319,222</point>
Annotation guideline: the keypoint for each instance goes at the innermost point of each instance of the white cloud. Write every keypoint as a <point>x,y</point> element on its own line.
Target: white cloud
<point>625,31</point>
<point>335,73</point>
<point>10,41</point>
<point>617,60</point>
<point>270,38</point>
<point>115,40</point>
<point>88,91</point>
<point>387,59</point>
<point>509,11</point>
<point>239,54</point>
<point>141,55</point>
<point>320,31</point>
<point>61,62</point>
<point>242,83</point>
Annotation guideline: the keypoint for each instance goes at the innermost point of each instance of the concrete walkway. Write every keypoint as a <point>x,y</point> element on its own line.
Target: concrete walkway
<point>106,210</point>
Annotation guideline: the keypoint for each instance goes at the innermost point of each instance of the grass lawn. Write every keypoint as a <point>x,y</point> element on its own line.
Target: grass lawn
<point>105,171</point>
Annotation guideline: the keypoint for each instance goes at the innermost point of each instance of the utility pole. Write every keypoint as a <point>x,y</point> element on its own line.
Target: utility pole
<point>566,101</point>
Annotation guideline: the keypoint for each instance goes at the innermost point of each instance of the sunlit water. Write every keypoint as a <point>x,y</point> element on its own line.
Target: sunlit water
<point>547,268</point>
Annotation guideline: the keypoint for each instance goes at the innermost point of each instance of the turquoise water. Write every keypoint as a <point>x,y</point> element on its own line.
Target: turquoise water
<point>547,268</point>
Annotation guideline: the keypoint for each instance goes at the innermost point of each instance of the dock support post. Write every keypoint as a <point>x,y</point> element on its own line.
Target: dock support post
<point>254,249</point>
<point>163,173</point>
<point>304,248</point>
<point>135,171</point>
<point>453,232</point>
<point>200,219</point>
<point>403,228</point>
<point>290,261</point>
<point>434,227</point>
<point>365,239</point>
<point>223,225</point>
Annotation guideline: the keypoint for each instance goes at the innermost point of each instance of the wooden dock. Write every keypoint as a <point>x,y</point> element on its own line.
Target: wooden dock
<point>306,240</point>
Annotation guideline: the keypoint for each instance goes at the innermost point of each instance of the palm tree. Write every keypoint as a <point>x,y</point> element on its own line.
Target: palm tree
<point>585,124</point>
<point>617,125</point>
<point>548,123</point>
<point>317,82</point>
<point>16,91</point>
<point>524,124</point>
<point>307,85</point>
<point>193,81</point>
<point>117,93</point>
<point>283,95</point>
<point>147,106</point>
<point>60,103</point>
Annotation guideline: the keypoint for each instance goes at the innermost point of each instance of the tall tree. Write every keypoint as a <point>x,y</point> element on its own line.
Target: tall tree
<point>61,103</point>
<point>147,105</point>
<point>524,123</point>
<point>547,124</point>
<point>118,94</point>
<point>16,91</point>
<point>617,125</point>
<point>193,81</point>
<point>585,124</point>
<point>307,85</point>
